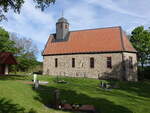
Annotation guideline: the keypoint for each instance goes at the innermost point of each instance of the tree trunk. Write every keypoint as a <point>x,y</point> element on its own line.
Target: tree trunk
<point>142,70</point>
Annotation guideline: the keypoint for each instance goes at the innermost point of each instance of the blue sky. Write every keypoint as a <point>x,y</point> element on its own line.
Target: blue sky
<point>81,14</point>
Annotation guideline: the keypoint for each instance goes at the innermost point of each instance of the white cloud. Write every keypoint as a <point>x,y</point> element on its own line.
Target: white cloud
<point>81,14</point>
<point>38,25</point>
<point>116,6</point>
<point>135,12</point>
<point>31,23</point>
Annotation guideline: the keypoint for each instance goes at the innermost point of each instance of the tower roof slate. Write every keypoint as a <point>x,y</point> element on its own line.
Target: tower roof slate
<point>62,19</point>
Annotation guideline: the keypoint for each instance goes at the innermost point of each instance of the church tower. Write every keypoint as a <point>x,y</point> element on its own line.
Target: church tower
<point>62,29</point>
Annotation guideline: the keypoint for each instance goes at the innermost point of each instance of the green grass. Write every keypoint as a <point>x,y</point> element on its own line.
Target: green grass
<point>130,97</point>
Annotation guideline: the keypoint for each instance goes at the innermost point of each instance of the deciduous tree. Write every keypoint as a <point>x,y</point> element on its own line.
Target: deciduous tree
<point>15,5</point>
<point>24,49</point>
<point>140,39</point>
<point>26,54</point>
<point>6,45</point>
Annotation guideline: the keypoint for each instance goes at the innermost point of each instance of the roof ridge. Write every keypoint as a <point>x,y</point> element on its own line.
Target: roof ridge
<point>96,28</point>
<point>92,29</point>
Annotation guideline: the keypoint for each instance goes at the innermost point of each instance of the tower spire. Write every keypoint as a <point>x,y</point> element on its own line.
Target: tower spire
<point>62,13</point>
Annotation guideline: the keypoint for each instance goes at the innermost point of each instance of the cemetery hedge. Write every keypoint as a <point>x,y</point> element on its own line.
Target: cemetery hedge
<point>17,94</point>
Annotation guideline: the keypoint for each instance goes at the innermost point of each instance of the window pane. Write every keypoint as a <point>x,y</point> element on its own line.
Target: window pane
<point>92,62</point>
<point>73,62</point>
<point>109,62</point>
<point>56,62</point>
<point>130,62</point>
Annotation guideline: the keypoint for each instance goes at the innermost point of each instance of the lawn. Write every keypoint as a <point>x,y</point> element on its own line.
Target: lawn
<point>18,94</point>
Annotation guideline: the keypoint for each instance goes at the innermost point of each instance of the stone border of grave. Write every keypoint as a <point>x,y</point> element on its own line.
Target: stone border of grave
<point>58,104</point>
<point>105,85</point>
<point>62,81</point>
<point>43,82</point>
<point>58,80</point>
<point>79,108</point>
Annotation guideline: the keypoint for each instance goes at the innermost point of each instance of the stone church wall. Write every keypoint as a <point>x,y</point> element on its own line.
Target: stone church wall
<point>83,69</point>
<point>131,73</point>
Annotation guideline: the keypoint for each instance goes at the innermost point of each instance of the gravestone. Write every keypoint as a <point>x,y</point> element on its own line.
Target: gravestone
<point>56,98</point>
<point>36,84</point>
<point>34,78</point>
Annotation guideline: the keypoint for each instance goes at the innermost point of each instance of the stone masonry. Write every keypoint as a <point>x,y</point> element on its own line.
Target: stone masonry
<point>82,67</point>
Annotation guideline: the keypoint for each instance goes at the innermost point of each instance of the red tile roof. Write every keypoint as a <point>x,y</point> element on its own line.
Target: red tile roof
<point>127,44</point>
<point>7,58</point>
<point>95,40</point>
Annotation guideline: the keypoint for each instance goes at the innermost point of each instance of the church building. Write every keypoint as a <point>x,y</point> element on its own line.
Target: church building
<point>104,53</point>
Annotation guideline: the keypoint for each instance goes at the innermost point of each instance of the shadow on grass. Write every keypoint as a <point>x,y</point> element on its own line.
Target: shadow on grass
<point>140,88</point>
<point>6,106</point>
<point>14,77</point>
<point>45,96</point>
